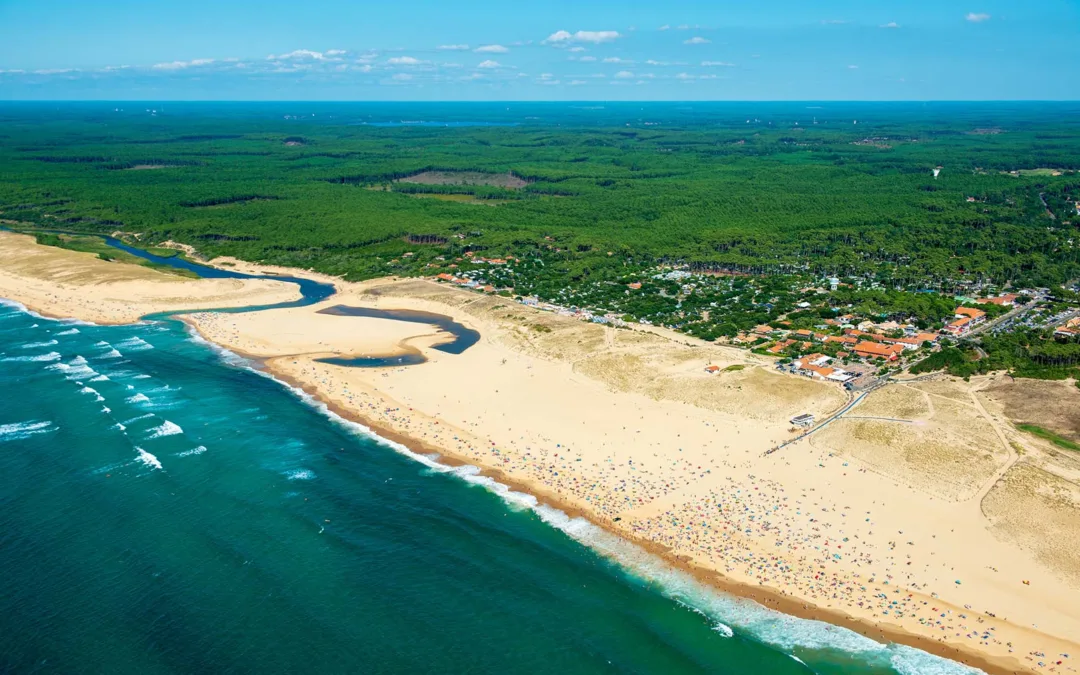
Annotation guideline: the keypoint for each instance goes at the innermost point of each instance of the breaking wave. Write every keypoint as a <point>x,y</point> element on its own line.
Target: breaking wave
<point>20,430</point>
<point>167,428</point>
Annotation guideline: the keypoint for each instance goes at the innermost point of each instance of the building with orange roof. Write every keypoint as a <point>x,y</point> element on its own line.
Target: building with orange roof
<point>875,350</point>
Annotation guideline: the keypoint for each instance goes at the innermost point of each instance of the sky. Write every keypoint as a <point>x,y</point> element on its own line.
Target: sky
<point>481,50</point>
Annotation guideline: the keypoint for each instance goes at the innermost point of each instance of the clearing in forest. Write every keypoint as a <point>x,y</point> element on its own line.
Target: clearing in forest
<point>503,180</point>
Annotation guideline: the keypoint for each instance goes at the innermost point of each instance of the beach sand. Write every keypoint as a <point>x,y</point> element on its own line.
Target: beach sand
<point>62,283</point>
<point>910,529</point>
<point>873,520</point>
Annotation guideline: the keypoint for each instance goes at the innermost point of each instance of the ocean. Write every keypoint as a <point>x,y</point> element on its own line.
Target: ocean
<point>166,508</point>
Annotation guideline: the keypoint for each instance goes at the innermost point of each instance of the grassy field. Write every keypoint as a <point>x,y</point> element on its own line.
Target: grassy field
<point>1049,436</point>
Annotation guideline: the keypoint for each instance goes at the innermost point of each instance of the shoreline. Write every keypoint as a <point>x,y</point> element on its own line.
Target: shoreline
<point>768,597</point>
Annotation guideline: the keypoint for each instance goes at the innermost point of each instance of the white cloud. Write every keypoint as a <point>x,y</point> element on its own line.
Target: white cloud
<point>833,22</point>
<point>624,75</point>
<point>51,71</point>
<point>853,67</point>
<point>683,27</point>
<point>490,64</point>
<point>403,61</point>
<point>453,48</point>
<point>576,83</point>
<point>473,76</point>
<point>298,54</point>
<point>616,59</point>
<point>684,76</point>
<point>180,65</point>
<point>491,49</point>
<point>402,77</point>
<point>587,59</point>
<point>709,77</point>
<point>717,63</point>
<point>550,82</point>
<point>593,36</point>
<point>577,49</point>
<point>546,76</point>
<point>664,27</point>
<point>335,52</point>
<point>891,24</point>
<point>977,17</point>
<point>696,40</point>
<point>657,63</point>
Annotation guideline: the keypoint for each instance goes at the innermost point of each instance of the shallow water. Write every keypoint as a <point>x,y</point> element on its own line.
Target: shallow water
<point>165,509</point>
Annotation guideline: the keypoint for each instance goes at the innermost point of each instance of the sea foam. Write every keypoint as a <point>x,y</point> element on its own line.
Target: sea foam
<point>20,430</point>
<point>135,344</point>
<point>35,345</point>
<point>51,356</point>
<point>167,428</point>
<point>148,459</point>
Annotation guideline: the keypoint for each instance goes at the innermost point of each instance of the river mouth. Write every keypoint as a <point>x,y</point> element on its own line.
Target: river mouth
<point>313,292</point>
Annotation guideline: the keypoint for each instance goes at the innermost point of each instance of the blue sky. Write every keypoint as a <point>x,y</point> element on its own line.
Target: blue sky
<point>552,50</point>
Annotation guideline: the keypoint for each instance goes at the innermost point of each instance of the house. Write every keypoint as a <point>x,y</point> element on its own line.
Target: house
<point>712,370</point>
<point>804,334</point>
<point>445,277</point>
<point>976,315</point>
<point>1005,300</point>
<point>806,420</point>
<point>762,329</point>
<point>966,318</point>
<point>852,332</point>
<point>958,327</point>
<point>905,342</point>
<point>844,340</point>
<point>634,286</point>
<point>780,346</point>
<point>811,360</point>
<point>876,350</point>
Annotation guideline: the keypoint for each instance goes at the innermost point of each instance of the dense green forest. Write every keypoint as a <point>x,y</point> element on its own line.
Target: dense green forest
<point>800,189</point>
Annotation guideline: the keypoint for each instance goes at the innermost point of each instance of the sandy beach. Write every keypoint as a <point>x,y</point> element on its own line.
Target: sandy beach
<point>61,283</point>
<point>903,520</point>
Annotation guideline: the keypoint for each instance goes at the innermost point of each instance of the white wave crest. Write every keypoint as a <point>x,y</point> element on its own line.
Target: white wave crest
<point>299,474</point>
<point>99,378</point>
<point>35,345</point>
<point>167,428</point>
<point>111,354</point>
<point>138,398</point>
<point>194,451</point>
<point>134,343</point>
<point>20,430</point>
<point>51,356</point>
<point>70,331</point>
<point>90,390</point>
<point>148,459</point>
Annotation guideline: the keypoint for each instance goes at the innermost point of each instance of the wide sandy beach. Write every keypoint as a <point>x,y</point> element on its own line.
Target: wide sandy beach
<point>903,520</point>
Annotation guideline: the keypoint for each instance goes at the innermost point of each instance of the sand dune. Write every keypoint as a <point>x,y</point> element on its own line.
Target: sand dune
<point>58,282</point>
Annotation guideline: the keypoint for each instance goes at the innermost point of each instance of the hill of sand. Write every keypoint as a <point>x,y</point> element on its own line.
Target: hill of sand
<point>63,283</point>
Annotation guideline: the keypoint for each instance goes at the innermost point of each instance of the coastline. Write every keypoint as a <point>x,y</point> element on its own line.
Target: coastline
<point>766,596</point>
<point>225,336</point>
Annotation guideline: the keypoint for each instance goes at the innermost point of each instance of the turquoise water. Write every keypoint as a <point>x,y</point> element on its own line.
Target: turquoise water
<point>165,509</point>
